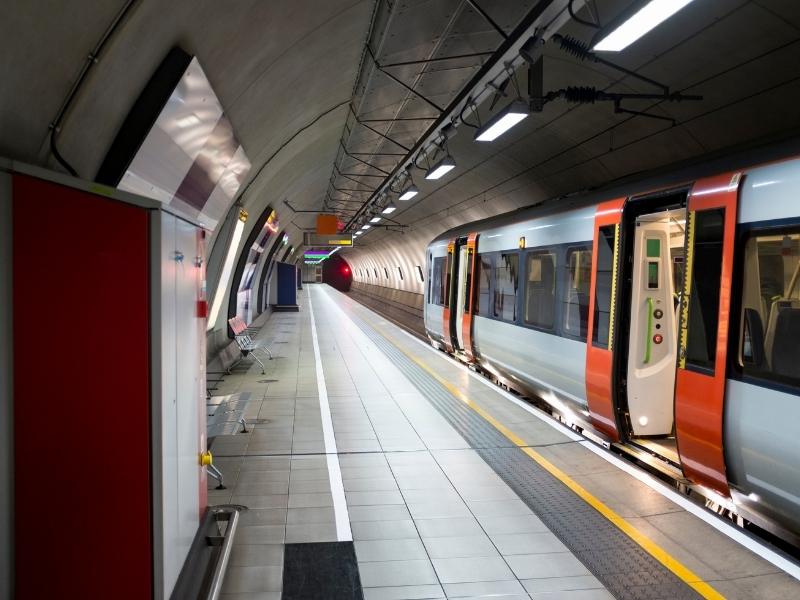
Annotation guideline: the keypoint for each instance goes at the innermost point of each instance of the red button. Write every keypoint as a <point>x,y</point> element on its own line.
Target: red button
<point>658,338</point>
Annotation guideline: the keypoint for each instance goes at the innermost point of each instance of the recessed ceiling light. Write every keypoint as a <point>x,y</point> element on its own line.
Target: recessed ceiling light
<point>374,219</point>
<point>441,168</point>
<point>409,193</point>
<point>389,209</point>
<point>642,17</point>
<point>502,121</point>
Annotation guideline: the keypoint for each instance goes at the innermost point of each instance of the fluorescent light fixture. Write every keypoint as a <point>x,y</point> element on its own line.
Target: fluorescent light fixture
<point>389,209</point>
<point>374,219</point>
<point>441,168</point>
<point>502,121</point>
<point>410,192</point>
<point>358,233</point>
<point>638,20</point>
<point>365,227</point>
<point>225,276</point>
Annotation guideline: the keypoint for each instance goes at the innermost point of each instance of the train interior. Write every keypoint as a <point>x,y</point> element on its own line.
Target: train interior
<point>771,308</point>
<point>656,236</point>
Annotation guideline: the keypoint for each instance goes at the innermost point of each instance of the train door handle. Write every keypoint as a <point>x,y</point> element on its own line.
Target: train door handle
<point>649,340</point>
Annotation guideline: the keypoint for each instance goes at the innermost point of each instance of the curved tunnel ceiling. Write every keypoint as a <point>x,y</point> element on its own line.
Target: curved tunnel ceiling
<point>293,75</point>
<point>742,57</point>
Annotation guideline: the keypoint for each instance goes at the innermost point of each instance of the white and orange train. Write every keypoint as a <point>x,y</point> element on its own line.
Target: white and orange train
<point>667,322</point>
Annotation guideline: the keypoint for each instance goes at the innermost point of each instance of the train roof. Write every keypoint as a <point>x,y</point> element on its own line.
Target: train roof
<point>641,183</point>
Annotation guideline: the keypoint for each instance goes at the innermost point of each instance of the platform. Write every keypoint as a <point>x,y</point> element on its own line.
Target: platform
<point>377,467</point>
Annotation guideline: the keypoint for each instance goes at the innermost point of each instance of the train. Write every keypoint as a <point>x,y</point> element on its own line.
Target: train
<point>661,318</point>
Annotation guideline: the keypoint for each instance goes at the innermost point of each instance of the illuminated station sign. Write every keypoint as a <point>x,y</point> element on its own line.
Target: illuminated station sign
<point>319,240</point>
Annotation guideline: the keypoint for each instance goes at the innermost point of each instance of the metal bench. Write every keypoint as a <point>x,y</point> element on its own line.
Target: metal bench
<point>246,345</point>
<point>224,415</point>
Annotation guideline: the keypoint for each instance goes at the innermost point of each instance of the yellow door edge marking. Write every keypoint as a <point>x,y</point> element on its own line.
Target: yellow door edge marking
<point>679,569</point>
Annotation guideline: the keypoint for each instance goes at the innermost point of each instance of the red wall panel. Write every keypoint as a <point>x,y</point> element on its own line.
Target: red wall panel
<point>81,395</point>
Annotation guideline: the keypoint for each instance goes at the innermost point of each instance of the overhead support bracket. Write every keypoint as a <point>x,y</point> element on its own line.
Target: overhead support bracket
<point>437,59</point>
<point>487,18</point>
<point>373,130</point>
<point>363,162</point>
<point>590,95</point>
<point>399,119</point>
<point>536,85</point>
<point>580,50</point>
<point>405,85</point>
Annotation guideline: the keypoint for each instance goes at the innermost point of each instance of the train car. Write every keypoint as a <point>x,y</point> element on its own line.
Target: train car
<point>663,319</point>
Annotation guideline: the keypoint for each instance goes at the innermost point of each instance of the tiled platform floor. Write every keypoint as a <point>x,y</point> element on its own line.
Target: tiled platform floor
<point>429,518</point>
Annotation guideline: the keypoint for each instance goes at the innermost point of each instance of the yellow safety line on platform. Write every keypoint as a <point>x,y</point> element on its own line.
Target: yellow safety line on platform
<point>679,569</point>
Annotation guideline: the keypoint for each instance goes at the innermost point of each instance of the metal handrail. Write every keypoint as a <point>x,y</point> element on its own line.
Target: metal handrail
<point>232,516</point>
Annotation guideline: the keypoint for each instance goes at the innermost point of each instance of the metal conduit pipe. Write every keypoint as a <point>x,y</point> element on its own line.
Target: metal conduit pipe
<point>91,59</point>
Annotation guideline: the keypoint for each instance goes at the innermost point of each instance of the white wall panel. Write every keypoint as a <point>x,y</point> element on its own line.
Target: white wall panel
<point>188,350</point>
<point>171,559</point>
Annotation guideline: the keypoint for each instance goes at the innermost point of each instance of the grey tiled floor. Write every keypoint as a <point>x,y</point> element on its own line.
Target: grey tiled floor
<point>430,519</point>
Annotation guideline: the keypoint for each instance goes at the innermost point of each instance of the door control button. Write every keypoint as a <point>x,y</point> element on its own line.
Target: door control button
<point>658,313</point>
<point>658,338</point>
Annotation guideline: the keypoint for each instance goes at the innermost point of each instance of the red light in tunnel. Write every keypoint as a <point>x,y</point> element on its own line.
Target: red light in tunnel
<point>346,270</point>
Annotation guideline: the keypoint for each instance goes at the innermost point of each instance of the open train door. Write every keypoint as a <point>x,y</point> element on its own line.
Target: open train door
<point>466,296</point>
<point>703,329</point>
<point>602,309</point>
<point>449,313</point>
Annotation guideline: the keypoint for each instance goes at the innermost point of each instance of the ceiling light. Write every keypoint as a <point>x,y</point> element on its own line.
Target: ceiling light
<point>374,219</point>
<point>409,193</point>
<point>502,121</point>
<point>366,226</point>
<point>637,20</point>
<point>389,209</point>
<point>441,168</point>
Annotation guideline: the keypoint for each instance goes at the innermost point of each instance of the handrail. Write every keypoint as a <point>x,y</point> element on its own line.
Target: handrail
<point>649,330</point>
<point>232,516</point>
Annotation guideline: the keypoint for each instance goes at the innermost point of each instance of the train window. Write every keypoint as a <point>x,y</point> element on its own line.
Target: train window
<point>419,274</point>
<point>603,287</point>
<point>386,272</point>
<point>437,292</point>
<point>540,289</point>
<point>505,287</point>
<point>482,299</point>
<point>703,319</point>
<point>578,270</point>
<point>770,337</point>
<point>376,272</point>
<point>399,270</point>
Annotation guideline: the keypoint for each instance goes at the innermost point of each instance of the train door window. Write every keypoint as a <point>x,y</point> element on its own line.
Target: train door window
<point>703,318</point>
<point>437,294</point>
<point>400,271</point>
<point>540,289</point>
<point>603,285</point>
<point>483,299</point>
<point>419,274</point>
<point>770,332</point>
<point>578,269</point>
<point>505,287</point>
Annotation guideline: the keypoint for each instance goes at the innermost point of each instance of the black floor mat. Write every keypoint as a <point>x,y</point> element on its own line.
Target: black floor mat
<point>323,570</point>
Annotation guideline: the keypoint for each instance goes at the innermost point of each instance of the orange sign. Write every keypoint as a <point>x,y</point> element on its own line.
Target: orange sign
<point>327,224</point>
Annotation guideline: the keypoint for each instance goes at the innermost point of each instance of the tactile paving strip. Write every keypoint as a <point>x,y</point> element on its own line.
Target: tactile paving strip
<point>627,571</point>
